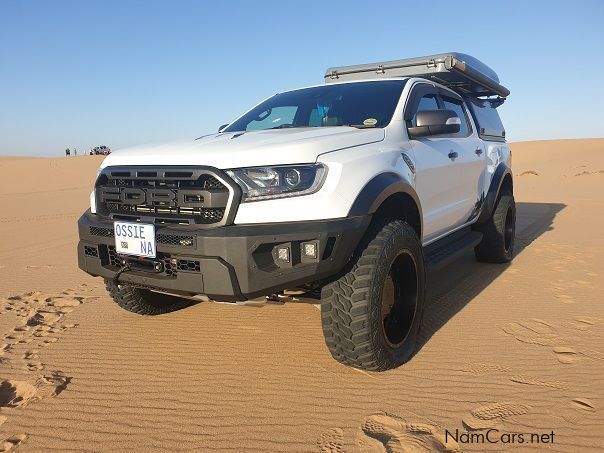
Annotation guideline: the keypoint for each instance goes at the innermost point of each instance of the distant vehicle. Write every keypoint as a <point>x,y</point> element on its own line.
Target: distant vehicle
<point>100,151</point>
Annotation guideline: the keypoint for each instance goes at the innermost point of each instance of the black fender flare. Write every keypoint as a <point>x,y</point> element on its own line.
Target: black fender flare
<point>492,195</point>
<point>378,189</point>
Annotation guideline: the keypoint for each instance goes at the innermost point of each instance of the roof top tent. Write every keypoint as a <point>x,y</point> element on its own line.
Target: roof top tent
<point>460,72</point>
<point>466,75</point>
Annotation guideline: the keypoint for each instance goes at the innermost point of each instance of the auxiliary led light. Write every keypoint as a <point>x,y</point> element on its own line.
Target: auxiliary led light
<point>310,249</point>
<point>283,253</point>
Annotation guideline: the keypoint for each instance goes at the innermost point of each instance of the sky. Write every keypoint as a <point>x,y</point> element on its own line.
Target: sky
<point>120,73</point>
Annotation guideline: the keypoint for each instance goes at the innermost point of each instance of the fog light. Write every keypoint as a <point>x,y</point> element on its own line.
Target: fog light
<point>310,249</point>
<point>283,253</point>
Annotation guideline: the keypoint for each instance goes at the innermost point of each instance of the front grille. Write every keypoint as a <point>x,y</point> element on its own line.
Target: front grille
<point>114,259</point>
<point>173,239</point>
<point>91,251</point>
<point>169,268</point>
<point>166,195</point>
<point>100,231</point>
<point>201,215</point>
<point>160,238</point>
<point>188,265</point>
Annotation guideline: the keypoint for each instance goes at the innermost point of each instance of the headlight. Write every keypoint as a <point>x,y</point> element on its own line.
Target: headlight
<point>264,183</point>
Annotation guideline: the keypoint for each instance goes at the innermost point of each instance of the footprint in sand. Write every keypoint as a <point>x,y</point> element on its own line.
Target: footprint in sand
<point>53,384</point>
<point>565,354</point>
<point>34,366</point>
<point>484,368</point>
<point>48,341</point>
<point>565,298</point>
<point>31,355</point>
<point>541,333</point>
<point>575,411</point>
<point>15,393</point>
<point>491,415</point>
<point>585,173</point>
<point>65,303</point>
<point>41,320</point>
<point>397,435</point>
<point>583,323</point>
<point>12,442</point>
<point>331,441</point>
<point>532,380</point>
<point>533,331</point>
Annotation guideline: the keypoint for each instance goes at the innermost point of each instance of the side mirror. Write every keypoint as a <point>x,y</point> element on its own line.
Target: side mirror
<point>435,122</point>
<point>222,127</point>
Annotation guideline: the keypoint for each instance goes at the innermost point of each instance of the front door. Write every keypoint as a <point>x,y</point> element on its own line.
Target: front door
<point>437,177</point>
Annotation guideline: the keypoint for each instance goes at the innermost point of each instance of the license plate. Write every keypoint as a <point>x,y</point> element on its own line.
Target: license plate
<point>135,239</point>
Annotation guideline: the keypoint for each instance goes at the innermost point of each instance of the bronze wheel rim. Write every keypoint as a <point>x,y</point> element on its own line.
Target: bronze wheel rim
<point>399,299</point>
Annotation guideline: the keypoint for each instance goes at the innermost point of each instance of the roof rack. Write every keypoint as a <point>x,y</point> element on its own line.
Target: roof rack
<point>460,72</point>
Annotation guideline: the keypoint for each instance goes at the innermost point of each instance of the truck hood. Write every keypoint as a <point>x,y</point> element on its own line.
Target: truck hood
<point>249,149</point>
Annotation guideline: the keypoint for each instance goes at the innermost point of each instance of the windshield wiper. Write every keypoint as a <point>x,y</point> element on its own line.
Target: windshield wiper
<point>284,126</point>
<point>361,126</point>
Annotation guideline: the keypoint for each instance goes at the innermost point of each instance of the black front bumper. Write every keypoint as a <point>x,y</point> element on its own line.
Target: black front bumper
<point>234,262</point>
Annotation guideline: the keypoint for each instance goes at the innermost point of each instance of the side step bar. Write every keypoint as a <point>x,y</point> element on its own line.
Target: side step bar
<point>448,249</point>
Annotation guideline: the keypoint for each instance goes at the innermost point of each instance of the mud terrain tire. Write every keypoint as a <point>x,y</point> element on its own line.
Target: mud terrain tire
<point>144,301</point>
<point>498,233</point>
<point>371,314</point>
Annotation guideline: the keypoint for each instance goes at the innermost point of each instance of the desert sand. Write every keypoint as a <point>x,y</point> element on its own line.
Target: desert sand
<point>514,347</point>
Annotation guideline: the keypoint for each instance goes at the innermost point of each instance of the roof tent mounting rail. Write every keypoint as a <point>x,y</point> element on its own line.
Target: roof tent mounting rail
<point>458,71</point>
<point>379,69</point>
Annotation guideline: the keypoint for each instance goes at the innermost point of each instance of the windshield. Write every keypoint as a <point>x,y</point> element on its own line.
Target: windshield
<point>359,104</point>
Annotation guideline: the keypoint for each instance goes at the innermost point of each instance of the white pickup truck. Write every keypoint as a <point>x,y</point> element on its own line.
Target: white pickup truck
<point>355,188</point>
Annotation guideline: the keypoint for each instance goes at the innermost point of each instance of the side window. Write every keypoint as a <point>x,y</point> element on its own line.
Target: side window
<point>457,107</point>
<point>427,102</point>
<point>273,118</point>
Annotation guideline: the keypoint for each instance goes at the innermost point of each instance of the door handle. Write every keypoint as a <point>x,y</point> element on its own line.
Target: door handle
<point>453,155</point>
<point>478,151</point>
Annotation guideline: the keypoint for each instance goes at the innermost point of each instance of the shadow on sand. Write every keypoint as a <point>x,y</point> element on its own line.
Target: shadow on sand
<point>451,288</point>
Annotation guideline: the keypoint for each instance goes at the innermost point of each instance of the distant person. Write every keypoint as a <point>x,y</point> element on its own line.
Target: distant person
<point>75,152</point>
<point>67,152</point>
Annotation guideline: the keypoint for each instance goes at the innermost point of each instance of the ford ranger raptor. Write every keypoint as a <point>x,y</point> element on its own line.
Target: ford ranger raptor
<point>354,188</point>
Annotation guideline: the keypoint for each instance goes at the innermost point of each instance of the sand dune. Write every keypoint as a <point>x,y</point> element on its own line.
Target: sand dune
<point>517,348</point>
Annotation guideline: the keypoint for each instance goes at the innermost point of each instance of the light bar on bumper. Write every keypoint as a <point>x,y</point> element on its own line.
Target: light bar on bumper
<point>265,183</point>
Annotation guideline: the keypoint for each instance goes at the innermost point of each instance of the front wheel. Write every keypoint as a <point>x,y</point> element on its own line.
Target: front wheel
<point>143,301</point>
<point>371,314</point>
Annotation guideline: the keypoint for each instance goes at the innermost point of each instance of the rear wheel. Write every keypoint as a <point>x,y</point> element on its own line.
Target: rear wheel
<point>371,314</point>
<point>498,233</point>
<point>144,301</point>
